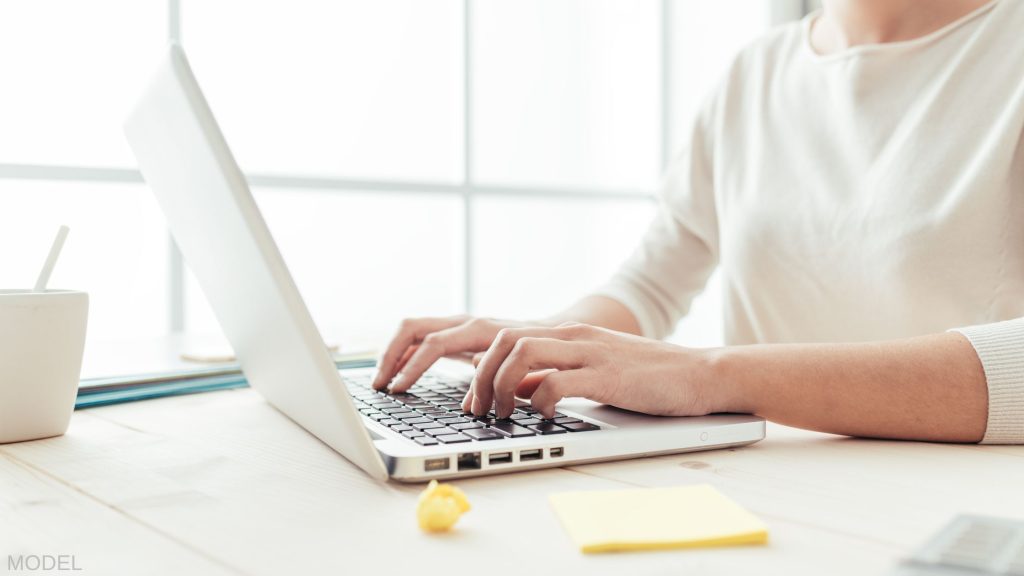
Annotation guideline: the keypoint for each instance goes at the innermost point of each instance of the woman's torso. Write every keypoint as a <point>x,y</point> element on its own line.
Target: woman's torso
<point>876,193</point>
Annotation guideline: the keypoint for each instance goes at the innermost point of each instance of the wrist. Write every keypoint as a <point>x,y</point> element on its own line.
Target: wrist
<point>726,382</point>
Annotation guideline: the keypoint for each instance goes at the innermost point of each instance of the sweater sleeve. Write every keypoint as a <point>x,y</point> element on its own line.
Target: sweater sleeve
<point>679,251</point>
<point>1000,347</point>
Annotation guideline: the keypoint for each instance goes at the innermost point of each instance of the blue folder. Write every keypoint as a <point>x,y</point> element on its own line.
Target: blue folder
<point>106,391</point>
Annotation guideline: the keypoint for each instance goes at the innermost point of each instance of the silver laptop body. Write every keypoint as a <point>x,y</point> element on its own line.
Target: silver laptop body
<point>215,221</point>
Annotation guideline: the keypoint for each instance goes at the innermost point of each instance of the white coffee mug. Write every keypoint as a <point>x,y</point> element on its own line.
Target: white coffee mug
<point>42,338</point>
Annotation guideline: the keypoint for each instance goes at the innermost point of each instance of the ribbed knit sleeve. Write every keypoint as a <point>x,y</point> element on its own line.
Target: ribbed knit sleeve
<point>1000,346</point>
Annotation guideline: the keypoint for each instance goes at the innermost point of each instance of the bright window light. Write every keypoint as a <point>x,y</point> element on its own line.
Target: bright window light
<point>362,260</point>
<point>567,93</point>
<point>70,70</point>
<point>533,258</point>
<point>351,88</point>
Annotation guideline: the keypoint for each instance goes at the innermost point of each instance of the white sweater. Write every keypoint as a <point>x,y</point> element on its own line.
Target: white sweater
<point>871,194</point>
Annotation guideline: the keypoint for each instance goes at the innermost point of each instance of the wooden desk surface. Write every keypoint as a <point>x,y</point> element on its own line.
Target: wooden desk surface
<point>221,483</point>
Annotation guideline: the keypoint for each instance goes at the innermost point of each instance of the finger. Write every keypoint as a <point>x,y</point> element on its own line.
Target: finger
<point>561,384</point>
<point>506,339</point>
<point>481,395</point>
<point>467,400</point>
<point>528,355</point>
<point>529,384</point>
<point>434,346</point>
<point>405,357</point>
<point>525,389</point>
<point>409,332</point>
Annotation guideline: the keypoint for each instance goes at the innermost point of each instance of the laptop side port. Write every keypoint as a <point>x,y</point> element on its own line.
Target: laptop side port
<point>557,452</point>
<point>469,461</point>
<point>526,455</point>
<point>435,464</point>
<point>499,458</point>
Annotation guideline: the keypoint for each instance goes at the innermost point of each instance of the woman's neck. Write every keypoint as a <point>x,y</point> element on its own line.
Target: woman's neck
<point>847,23</point>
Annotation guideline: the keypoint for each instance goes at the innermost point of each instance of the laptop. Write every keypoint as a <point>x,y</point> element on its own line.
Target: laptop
<point>412,437</point>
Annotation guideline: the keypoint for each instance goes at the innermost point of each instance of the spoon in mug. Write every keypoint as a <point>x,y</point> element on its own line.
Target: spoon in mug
<point>51,259</point>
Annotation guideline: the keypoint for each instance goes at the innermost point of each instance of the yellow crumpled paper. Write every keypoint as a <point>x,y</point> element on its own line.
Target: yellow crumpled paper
<point>440,506</point>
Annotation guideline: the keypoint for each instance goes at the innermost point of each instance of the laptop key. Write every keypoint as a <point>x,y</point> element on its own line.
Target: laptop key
<point>401,427</point>
<point>546,428</point>
<point>528,422</point>
<point>427,425</point>
<point>580,426</point>
<point>410,416</point>
<point>435,432</point>
<point>454,420</point>
<point>420,420</point>
<point>567,420</point>
<point>413,434</point>
<point>453,438</point>
<point>508,428</point>
<point>379,416</point>
<point>425,441</point>
<point>467,425</point>
<point>390,421</point>
<point>483,434</point>
<point>402,414</point>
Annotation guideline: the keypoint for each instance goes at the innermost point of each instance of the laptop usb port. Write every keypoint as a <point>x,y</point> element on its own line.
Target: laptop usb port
<point>525,455</point>
<point>435,464</point>
<point>557,452</point>
<point>499,458</point>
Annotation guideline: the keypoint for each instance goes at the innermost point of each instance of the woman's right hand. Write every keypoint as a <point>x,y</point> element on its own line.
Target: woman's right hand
<point>420,342</point>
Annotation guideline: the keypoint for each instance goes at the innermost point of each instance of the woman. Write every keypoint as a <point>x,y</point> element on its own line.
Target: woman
<point>859,179</point>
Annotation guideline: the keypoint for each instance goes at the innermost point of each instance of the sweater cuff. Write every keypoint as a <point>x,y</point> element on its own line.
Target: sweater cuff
<point>1000,347</point>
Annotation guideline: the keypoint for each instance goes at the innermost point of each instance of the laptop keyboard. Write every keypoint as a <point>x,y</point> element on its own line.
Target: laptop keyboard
<point>430,413</point>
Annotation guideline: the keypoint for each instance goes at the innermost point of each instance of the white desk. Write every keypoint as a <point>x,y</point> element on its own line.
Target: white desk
<point>221,483</point>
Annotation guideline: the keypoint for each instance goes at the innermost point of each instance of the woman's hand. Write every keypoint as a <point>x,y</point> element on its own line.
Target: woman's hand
<point>420,342</point>
<point>580,360</point>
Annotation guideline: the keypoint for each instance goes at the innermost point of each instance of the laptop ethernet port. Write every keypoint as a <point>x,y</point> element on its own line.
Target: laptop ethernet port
<point>526,455</point>
<point>499,458</point>
<point>435,464</point>
<point>469,461</point>
<point>557,452</point>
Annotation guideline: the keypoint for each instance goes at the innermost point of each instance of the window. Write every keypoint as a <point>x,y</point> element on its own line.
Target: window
<point>411,157</point>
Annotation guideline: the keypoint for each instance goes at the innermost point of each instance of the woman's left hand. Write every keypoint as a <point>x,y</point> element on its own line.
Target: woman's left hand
<point>585,361</point>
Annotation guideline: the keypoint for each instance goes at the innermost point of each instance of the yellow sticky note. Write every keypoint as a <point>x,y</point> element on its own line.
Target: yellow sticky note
<point>655,518</point>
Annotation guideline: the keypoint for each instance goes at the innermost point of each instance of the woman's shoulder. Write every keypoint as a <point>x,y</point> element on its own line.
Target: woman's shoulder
<point>755,63</point>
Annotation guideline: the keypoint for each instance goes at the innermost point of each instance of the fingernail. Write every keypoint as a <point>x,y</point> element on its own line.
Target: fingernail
<point>397,381</point>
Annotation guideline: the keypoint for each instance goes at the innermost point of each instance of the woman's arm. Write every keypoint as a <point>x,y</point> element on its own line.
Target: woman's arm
<point>926,388</point>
